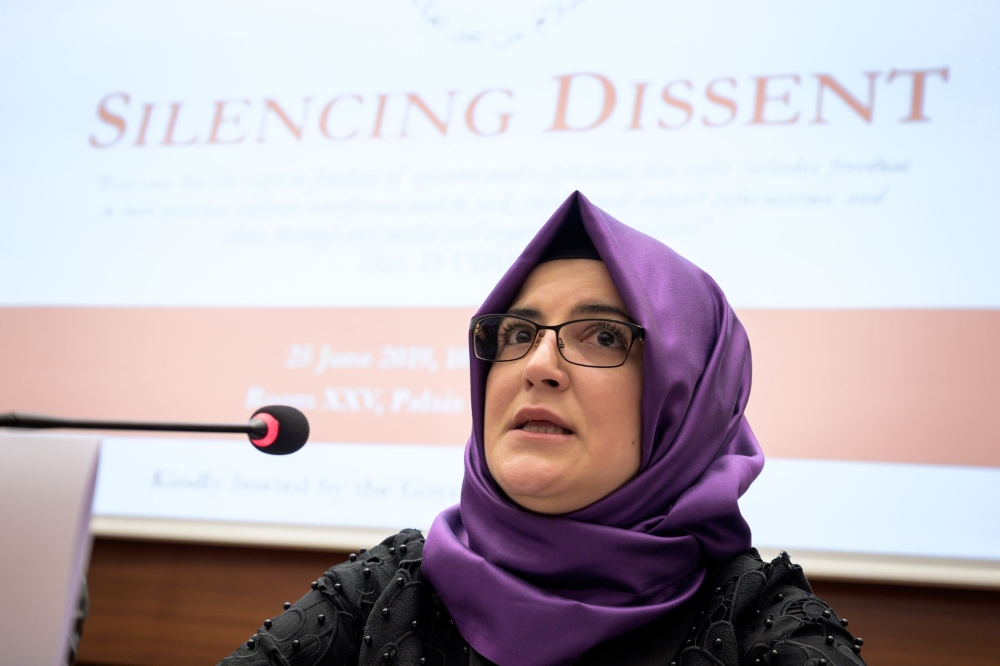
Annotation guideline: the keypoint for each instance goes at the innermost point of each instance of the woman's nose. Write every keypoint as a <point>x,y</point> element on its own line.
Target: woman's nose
<point>545,364</point>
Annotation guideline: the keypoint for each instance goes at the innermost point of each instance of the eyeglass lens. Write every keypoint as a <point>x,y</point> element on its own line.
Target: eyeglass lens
<point>594,342</point>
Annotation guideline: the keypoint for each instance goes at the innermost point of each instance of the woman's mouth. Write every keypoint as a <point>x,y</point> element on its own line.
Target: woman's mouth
<point>545,427</point>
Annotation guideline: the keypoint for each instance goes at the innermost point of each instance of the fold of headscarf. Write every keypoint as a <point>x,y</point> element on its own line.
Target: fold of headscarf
<point>533,590</point>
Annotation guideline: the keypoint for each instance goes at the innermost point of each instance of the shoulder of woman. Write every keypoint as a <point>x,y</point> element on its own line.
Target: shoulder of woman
<point>396,609</point>
<point>360,581</point>
<point>375,603</point>
<point>765,613</point>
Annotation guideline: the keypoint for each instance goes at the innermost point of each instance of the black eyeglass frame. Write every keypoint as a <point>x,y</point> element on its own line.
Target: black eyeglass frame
<point>638,333</point>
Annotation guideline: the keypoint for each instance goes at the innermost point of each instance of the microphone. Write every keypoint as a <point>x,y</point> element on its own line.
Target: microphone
<point>275,429</point>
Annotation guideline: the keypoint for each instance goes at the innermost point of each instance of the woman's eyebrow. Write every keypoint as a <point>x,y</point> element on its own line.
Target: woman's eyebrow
<point>601,309</point>
<point>526,312</point>
<point>586,309</point>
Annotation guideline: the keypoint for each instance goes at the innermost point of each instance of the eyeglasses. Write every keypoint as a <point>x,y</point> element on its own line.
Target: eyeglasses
<point>595,343</point>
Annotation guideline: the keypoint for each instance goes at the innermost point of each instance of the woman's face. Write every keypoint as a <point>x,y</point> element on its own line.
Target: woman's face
<point>596,412</point>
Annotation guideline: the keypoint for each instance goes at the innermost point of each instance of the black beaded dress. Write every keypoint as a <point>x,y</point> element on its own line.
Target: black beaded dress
<point>378,609</point>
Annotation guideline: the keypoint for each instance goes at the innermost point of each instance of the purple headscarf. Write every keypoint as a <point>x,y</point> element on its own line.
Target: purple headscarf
<point>533,590</point>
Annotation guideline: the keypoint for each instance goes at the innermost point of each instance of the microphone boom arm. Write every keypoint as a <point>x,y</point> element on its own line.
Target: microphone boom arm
<point>256,428</point>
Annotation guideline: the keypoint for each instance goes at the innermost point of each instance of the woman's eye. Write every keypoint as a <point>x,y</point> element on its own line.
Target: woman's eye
<point>519,336</point>
<point>606,339</point>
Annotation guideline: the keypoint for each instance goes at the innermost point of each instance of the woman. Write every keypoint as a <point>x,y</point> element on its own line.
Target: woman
<point>598,521</point>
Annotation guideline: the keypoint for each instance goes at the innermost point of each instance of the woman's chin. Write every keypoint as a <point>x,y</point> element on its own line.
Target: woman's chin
<point>534,486</point>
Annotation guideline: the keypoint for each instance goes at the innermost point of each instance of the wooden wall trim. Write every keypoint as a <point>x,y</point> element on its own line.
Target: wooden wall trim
<point>218,533</point>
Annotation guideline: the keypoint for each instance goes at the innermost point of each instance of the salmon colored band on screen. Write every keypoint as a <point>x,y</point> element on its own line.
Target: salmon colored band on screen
<point>272,430</point>
<point>892,369</point>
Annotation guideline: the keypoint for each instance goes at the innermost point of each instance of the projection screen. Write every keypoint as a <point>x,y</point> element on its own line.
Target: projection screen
<point>210,207</point>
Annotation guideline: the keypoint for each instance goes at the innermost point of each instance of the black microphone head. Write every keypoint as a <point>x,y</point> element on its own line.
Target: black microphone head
<point>287,430</point>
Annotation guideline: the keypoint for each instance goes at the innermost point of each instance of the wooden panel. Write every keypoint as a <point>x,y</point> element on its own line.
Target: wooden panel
<point>167,604</point>
<point>918,626</point>
<point>164,604</point>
